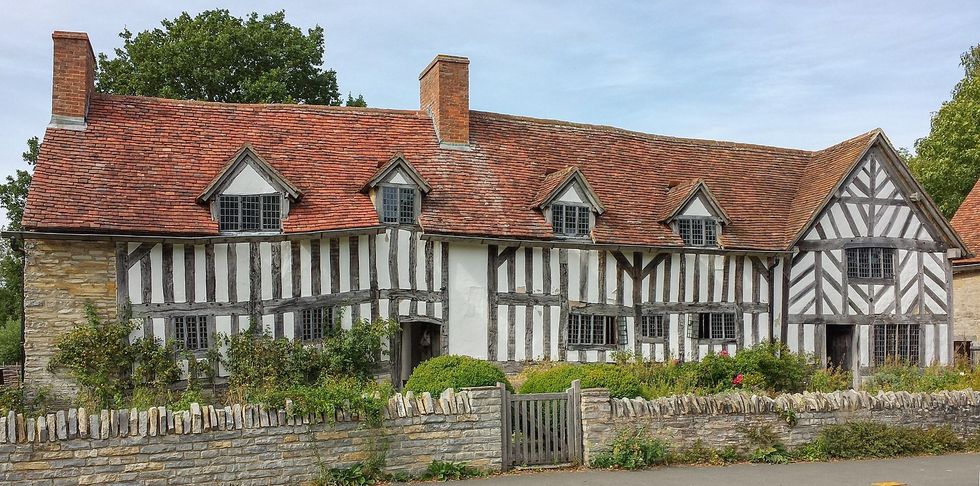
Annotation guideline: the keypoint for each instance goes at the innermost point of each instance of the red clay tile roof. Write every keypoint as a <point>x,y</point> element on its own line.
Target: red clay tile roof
<point>142,162</point>
<point>966,222</point>
<point>551,183</point>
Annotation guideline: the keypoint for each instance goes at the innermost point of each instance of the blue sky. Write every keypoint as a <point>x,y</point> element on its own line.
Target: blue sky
<point>806,75</point>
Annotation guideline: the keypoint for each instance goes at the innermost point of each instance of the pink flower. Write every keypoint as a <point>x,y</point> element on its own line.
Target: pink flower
<point>737,380</point>
<point>724,352</point>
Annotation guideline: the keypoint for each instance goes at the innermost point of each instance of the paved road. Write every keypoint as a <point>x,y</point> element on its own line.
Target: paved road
<point>951,470</point>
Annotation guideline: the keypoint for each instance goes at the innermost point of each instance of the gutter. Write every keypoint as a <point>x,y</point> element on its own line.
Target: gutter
<point>224,238</point>
<point>590,245</point>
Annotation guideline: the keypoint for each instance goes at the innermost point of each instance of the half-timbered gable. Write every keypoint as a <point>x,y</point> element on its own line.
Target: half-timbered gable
<point>873,264</point>
<point>506,238</point>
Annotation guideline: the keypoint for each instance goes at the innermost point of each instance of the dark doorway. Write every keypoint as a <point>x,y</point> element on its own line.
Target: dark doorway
<point>420,340</point>
<point>839,342</point>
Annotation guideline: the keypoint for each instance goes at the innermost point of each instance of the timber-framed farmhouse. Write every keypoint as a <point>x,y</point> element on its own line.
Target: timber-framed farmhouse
<point>501,237</point>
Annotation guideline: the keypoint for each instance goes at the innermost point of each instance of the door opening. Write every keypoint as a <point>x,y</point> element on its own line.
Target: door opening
<point>839,342</point>
<point>420,340</point>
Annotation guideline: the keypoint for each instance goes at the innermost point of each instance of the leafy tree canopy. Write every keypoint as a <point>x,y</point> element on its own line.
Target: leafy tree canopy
<point>215,56</point>
<point>947,161</point>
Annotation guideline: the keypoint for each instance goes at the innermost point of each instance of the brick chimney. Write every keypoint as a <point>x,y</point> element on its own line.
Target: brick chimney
<point>444,92</point>
<point>74,80</point>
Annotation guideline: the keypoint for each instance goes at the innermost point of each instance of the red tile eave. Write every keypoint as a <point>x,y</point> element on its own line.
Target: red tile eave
<point>142,162</point>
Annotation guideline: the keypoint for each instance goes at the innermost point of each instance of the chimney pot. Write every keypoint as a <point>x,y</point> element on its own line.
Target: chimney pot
<point>444,94</point>
<point>74,80</point>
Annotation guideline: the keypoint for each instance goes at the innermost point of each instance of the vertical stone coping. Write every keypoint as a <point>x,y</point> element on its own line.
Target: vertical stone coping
<point>79,423</point>
<point>741,403</point>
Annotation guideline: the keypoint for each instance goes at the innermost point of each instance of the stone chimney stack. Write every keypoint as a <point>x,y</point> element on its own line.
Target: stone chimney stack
<point>74,80</point>
<point>444,93</point>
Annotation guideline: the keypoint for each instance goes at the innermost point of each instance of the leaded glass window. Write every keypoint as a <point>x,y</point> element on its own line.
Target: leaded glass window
<point>593,330</point>
<point>316,322</point>
<point>250,212</point>
<point>571,220</point>
<point>698,231</point>
<point>871,263</point>
<point>652,327</point>
<point>398,205</point>
<point>716,325</point>
<point>191,332</point>
<point>896,343</point>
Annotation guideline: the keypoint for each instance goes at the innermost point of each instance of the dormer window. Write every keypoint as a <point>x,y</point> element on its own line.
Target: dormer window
<point>568,202</point>
<point>397,190</point>
<point>249,195</point>
<point>571,220</point>
<point>398,204</point>
<point>694,213</point>
<point>698,231</point>
<point>262,212</point>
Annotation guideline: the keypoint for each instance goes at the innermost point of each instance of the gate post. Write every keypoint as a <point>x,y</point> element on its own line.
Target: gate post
<point>505,431</point>
<point>575,422</point>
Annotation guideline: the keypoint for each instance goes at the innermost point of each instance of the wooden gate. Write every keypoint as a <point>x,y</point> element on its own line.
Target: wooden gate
<point>541,429</point>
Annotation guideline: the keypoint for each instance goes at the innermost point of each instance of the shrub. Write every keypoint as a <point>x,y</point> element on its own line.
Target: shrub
<point>855,440</point>
<point>10,342</point>
<point>698,453</point>
<point>896,376</point>
<point>356,475</point>
<point>633,448</point>
<point>451,471</point>
<point>366,399</point>
<point>829,380</point>
<point>779,369</point>
<point>766,446</point>
<point>453,371</point>
<point>259,364</point>
<point>100,357</point>
<point>621,381</point>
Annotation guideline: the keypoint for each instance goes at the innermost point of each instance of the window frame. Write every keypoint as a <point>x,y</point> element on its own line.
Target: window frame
<point>612,327</point>
<point>563,233</point>
<point>695,328</point>
<point>887,265</point>
<point>881,340</point>
<point>705,222</point>
<point>327,326</point>
<point>202,322</point>
<point>416,203</point>
<point>262,211</point>
<point>660,321</point>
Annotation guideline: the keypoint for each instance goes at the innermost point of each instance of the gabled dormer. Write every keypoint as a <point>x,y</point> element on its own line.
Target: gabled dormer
<point>397,190</point>
<point>569,203</point>
<point>694,214</point>
<point>249,195</point>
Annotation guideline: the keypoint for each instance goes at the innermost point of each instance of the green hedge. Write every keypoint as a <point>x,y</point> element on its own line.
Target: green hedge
<point>621,381</point>
<point>453,371</point>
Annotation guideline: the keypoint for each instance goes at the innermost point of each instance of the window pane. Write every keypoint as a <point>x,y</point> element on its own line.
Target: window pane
<point>710,239</point>
<point>558,219</point>
<point>228,213</point>
<point>271,212</point>
<point>251,213</point>
<point>406,205</point>
<point>583,221</point>
<point>389,204</point>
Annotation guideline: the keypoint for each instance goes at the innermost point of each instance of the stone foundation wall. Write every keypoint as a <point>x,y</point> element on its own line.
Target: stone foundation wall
<point>722,420</point>
<point>245,445</point>
<point>60,277</point>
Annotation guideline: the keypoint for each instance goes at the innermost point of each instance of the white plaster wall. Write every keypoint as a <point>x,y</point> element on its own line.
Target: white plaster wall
<point>468,300</point>
<point>248,181</point>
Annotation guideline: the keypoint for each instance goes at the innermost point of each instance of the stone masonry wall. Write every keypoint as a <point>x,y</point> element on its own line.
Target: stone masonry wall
<point>245,444</point>
<point>966,307</point>
<point>60,277</point>
<point>722,420</point>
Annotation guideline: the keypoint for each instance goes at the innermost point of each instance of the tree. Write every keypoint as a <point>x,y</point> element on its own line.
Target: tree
<point>215,56</point>
<point>13,195</point>
<point>947,161</point>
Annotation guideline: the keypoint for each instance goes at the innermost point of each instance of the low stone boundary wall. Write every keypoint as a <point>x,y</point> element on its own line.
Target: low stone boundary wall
<point>245,444</point>
<point>719,421</point>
